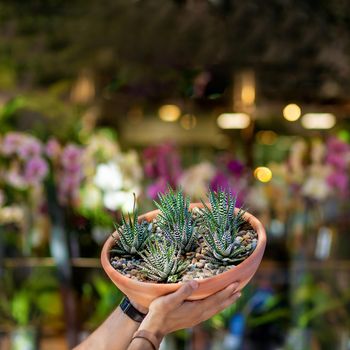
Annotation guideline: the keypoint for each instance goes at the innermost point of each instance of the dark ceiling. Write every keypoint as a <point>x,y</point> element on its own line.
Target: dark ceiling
<point>150,50</point>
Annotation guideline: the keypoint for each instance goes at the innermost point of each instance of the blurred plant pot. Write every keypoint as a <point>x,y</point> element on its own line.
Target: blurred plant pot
<point>24,338</point>
<point>144,293</point>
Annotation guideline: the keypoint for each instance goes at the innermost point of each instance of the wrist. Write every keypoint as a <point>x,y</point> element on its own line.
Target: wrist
<point>155,325</point>
<point>131,311</point>
<point>139,307</point>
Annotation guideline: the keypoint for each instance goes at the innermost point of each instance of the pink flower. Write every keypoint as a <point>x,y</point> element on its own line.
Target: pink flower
<point>339,181</point>
<point>71,157</point>
<point>12,142</point>
<point>337,159</point>
<point>35,170</point>
<point>30,148</point>
<point>160,186</point>
<point>68,188</point>
<point>53,148</point>
<point>337,146</point>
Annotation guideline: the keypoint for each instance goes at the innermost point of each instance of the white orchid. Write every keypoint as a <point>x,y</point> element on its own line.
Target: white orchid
<point>108,177</point>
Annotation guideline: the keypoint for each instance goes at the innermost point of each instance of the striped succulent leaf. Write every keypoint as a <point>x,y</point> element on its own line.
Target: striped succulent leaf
<point>221,225</point>
<point>131,235</point>
<point>175,220</point>
<point>162,261</point>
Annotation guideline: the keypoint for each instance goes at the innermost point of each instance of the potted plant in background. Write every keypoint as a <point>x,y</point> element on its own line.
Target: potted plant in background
<point>214,243</point>
<point>27,305</point>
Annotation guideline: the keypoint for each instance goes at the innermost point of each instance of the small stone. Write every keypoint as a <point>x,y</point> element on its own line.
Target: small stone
<point>200,265</point>
<point>194,260</point>
<point>199,256</point>
<point>196,210</point>
<point>238,239</point>
<point>241,233</point>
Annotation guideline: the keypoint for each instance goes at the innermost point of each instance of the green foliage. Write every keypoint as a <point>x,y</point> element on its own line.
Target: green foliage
<point>221,225</point>
<point>104,297</point>
<point>132,235</point>
<point>21,307</point>
<point>175,220</point>
<point>162,261</point>
<point>33,300</point>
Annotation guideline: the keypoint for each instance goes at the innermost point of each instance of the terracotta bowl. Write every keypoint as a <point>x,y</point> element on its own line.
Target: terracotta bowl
<point>144,293</point>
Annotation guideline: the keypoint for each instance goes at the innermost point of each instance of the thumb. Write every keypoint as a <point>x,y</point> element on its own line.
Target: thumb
<point>182,293</point>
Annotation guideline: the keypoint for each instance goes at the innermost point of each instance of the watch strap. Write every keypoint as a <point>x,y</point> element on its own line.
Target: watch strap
<point>131,311</point>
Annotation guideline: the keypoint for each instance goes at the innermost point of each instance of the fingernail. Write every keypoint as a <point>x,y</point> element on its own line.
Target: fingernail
<point>193,284</point>
<point>239,295</point>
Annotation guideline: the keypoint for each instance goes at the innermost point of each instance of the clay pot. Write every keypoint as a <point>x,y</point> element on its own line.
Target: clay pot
<point>144,292</point>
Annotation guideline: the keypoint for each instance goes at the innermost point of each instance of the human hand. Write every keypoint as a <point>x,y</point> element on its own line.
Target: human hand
<point>171,312</point>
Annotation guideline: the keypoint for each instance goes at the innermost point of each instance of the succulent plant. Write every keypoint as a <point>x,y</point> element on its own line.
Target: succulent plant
<point>132,235</point>
<point>176,221</point>
<point>162,261</point>
<point>221,225</point>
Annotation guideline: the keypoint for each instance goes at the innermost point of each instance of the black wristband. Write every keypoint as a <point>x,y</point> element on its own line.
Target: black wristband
<point>131,311</point>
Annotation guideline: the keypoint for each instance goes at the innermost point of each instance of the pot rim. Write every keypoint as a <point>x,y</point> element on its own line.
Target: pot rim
<point>117,276</point>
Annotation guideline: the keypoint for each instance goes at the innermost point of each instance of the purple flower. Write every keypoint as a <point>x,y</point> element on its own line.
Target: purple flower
<point>160,186</point>
<point>337,159</point>
<point>72,158</point>
<point>339,181</point>
<point>235,167</point>
<point>15,179</point>
<point>53,148</point>
<point>337,146</point>
<point>12,142</point>
<point>30,148</point>
<point>68,188</point>
<point>35,170</point>
<point>220,182</point>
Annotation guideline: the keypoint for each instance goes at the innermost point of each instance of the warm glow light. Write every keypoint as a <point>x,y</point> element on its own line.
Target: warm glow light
<point>83,90</point>
<point>248,94</point>
<point>233,121</point>
<point>169,113</point>
<point>266,137</point>
<point>318,121</point>
<point>292,112</point>
<point>188,121</point>
<point>263,174</point>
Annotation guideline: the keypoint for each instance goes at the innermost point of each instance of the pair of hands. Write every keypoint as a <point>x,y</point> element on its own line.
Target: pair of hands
<point>172,312</point>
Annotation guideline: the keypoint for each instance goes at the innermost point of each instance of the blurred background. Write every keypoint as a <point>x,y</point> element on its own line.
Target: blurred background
<point>102,99</point>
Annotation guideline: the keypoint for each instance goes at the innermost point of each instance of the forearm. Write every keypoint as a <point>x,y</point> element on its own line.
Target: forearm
<point>114,334</point>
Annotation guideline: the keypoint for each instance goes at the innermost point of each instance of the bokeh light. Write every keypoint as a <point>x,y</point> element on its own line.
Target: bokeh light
<point>318,121</point>
<point>263,174</point>
<point>292,112</point>
<point>233,121</point>
<point>266,137</point>
<point>188,121</point>
<point>169,113</point>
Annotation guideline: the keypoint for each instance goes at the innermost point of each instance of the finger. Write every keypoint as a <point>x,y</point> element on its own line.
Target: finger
<point>182,293</point>
<point>218,297</point>
<point>220,307</point>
